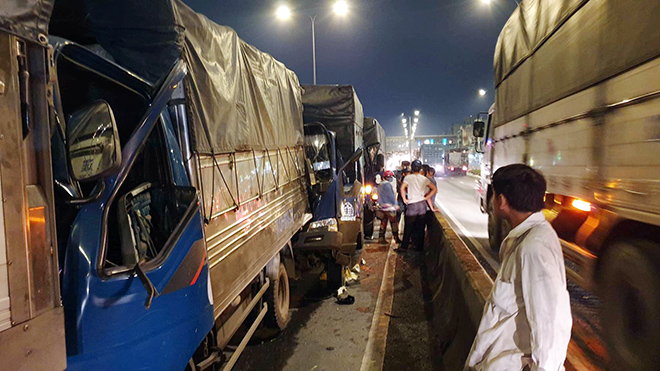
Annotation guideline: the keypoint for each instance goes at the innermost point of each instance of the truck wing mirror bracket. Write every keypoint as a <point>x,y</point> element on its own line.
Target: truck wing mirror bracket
<point>152,292</point>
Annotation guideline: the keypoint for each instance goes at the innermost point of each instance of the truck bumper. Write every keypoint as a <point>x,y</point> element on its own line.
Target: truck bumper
<point>342,243</point>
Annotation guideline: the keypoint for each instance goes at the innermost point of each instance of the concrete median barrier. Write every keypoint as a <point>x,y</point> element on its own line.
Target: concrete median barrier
<point>458,286</point>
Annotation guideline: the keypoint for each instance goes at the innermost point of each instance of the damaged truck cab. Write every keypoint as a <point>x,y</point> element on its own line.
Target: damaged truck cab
<point>333,143</point>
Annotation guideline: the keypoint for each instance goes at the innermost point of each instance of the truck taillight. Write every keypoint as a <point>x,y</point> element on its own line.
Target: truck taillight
<point>581,205</point>
<point>465,168</point>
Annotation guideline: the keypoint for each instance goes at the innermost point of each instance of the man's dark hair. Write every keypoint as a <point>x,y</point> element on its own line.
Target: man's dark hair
<point>416,166</point>
<point>405,163</point>
<point>425,168</point>
<point>522,186</point>
<point>431,170</point>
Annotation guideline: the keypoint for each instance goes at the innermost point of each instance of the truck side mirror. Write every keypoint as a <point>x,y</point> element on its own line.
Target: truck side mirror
<point>93,147</point>
<point>478,129</point>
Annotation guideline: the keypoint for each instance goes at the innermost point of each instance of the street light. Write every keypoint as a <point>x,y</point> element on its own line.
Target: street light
<point>284,13</point>
<point>488,2</point>
<point>412,120</point>
<point>340,8</point>
<point>482,92</point>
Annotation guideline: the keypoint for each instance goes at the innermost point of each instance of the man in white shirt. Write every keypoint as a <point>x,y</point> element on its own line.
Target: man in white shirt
<point>416,190</point>
<point>526,323</point>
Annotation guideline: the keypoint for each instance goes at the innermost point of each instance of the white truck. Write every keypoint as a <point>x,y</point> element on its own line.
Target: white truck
<point>578,98</point>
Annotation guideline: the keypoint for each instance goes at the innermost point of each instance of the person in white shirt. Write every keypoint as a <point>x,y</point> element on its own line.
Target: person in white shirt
<point>416,190</point>
<point>526,323</point>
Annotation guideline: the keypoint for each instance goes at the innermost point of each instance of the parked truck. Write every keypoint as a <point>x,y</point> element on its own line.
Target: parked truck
<point>578,98</point>
<point>152,180</point>
<point>333,119</point>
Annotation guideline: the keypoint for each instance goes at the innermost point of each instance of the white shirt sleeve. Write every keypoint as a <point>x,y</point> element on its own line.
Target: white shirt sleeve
<point>547,304</point>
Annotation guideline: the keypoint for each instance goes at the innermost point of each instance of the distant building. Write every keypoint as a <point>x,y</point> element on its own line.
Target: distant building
<point>396,144</point>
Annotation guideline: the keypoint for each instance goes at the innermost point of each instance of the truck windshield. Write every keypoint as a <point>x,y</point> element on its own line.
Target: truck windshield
<point>317,151</point>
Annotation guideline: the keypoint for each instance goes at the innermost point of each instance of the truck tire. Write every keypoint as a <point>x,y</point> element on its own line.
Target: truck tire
<point>335,272</point>
<point>277,297</point>
<point>497,228</point>
<point>631,311</point>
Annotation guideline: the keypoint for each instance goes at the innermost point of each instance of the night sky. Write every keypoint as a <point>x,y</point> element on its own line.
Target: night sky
<point>400,55</point>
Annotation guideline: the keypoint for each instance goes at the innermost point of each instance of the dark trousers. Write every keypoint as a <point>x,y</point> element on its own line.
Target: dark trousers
<point>388,217</point>
<point>413,231</point>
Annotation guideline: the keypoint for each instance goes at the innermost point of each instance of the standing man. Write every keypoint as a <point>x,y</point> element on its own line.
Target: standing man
<point>431,175</point>
<point>526,323</point>
<point>415,191</point>
<point>387,207</point>
<point>400,174</point>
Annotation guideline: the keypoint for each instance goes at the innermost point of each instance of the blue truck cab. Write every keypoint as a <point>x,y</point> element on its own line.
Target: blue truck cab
<point>131,249</point>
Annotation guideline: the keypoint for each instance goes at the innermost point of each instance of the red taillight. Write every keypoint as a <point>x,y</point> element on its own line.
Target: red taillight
<point>451,168</point>
<point>464,168</point>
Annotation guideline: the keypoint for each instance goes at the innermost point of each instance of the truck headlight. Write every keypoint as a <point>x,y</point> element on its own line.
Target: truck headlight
<point>328,224</point>
<point>347,211</point>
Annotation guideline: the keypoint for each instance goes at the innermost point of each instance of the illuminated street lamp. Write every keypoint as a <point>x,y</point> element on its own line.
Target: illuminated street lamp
<point>340,8</point>
<point>488,2</point>
<point>482,92</point>
<point>412,120</point>
<point>284,13</point>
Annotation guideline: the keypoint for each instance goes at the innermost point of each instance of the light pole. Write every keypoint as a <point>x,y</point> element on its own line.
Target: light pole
<point>339,8</point>
<point>412,121</point>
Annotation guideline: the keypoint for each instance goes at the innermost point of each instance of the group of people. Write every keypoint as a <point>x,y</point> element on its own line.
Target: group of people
<point>411,193</point>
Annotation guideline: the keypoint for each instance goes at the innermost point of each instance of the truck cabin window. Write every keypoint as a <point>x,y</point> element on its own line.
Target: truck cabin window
<point>318,153</point>
<point>144,216</point>
<point>148,207</point>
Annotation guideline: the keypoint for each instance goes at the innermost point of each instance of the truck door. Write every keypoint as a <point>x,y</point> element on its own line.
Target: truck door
<point>135,279</point>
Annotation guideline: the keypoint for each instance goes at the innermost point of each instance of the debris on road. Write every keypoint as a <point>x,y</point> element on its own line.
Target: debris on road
<point>343,297</point>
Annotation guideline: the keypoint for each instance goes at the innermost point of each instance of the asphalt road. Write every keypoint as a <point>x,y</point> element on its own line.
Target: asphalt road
<point>322,334</point>
<point>457,200</point>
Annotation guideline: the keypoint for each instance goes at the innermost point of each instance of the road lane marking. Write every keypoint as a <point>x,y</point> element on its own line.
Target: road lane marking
<point>489,259</point>
<point>374,354</point>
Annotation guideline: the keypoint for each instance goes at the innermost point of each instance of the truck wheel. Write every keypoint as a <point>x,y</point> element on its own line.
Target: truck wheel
<point>277,297</point>
<point>497,228</point>
<point>335,272</point>
<point>631,311</point>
